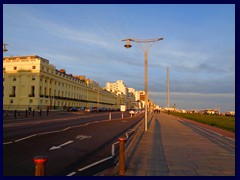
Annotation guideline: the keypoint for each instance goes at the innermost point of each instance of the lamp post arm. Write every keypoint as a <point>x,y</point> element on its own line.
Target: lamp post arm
<point>152,44</point>
<point>144,50</point>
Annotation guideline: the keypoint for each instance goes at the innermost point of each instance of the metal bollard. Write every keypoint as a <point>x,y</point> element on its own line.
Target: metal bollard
<point>122,115</point>
<point>121,167</point>
<point>39,162</point>
<point>110,116</point>
<point>15,113</point>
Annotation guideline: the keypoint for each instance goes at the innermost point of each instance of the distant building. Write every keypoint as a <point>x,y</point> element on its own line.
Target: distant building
<point>128,95</point>
<point>141,97</point>
<point>211,111</point>
<point>30,82</point>
<point>118,87</point>
<point>230,113</point>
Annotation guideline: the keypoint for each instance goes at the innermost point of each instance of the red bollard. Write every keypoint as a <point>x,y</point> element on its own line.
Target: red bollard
<point>121,169</point>
<point>39,162</point>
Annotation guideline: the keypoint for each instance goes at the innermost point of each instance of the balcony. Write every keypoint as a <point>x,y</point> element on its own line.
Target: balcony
<point>31,95</point>
<point>12,95</point>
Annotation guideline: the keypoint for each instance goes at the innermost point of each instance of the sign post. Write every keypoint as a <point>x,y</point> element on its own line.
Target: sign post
<point>122,109</point>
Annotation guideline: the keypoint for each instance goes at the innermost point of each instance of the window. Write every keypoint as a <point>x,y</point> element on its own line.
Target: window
<point>32,91</point>
<point>45,91</point>
<point>30,101</point>
<point>14,78</point>
<point>33,67</point>
<point>49,92</point>
<point>13,91</point>
<point>11,101</point>
<point>15,67</point>
<point>33,78</point>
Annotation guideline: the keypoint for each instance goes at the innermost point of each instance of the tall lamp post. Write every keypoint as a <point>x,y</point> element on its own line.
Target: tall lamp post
<point>148,44</point>
<point>4,48</point>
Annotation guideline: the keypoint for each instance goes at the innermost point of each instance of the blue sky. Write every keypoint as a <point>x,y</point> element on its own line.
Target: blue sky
<point>198,46</point>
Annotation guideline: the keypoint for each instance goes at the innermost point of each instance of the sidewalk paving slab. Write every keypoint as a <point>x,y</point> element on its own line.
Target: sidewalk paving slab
<point>173,148</point>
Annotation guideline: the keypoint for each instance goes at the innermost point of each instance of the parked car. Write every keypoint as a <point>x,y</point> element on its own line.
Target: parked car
<point>82,108</point>
<point>72,109</point>
<point>102,109</point>
<point>87,110</point>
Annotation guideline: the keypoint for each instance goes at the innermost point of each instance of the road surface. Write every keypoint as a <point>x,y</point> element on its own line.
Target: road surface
<point>69,141</point>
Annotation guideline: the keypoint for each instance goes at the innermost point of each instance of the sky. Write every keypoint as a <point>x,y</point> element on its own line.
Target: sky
<point>198,46</point>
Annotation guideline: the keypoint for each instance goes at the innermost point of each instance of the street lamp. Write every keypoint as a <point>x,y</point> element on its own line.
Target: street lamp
<point>4,48</point>
<point>145,52</point>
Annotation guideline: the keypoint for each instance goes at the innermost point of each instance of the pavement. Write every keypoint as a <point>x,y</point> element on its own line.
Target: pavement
<point>174,147</point>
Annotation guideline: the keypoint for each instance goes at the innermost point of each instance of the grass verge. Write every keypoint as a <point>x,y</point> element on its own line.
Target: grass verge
<point>223,122</point>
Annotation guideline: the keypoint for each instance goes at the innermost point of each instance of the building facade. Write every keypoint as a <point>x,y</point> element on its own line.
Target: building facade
<point>30,82</point>
<point>128,95</point>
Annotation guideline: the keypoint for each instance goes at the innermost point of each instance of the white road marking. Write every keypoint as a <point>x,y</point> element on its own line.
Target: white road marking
<point>44,121</point>
<point>93,164</point>
<point>71,174</point>
<point>27,137</point>
<point>57,131</point>
<point>81,137</point>
<point>60,146</point>
<point>7,143</point>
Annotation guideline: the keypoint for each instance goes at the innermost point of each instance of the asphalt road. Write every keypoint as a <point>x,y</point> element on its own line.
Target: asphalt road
<point>68,140</point>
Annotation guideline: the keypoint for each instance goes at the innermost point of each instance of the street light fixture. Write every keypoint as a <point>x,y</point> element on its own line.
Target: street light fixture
<point>127,45</point>
<point>145,52</point>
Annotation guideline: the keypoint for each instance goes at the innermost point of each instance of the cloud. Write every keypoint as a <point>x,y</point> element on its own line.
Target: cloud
<point>90,44</point>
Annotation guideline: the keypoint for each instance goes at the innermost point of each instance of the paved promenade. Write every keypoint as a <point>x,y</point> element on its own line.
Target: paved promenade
<point>173,147</point>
